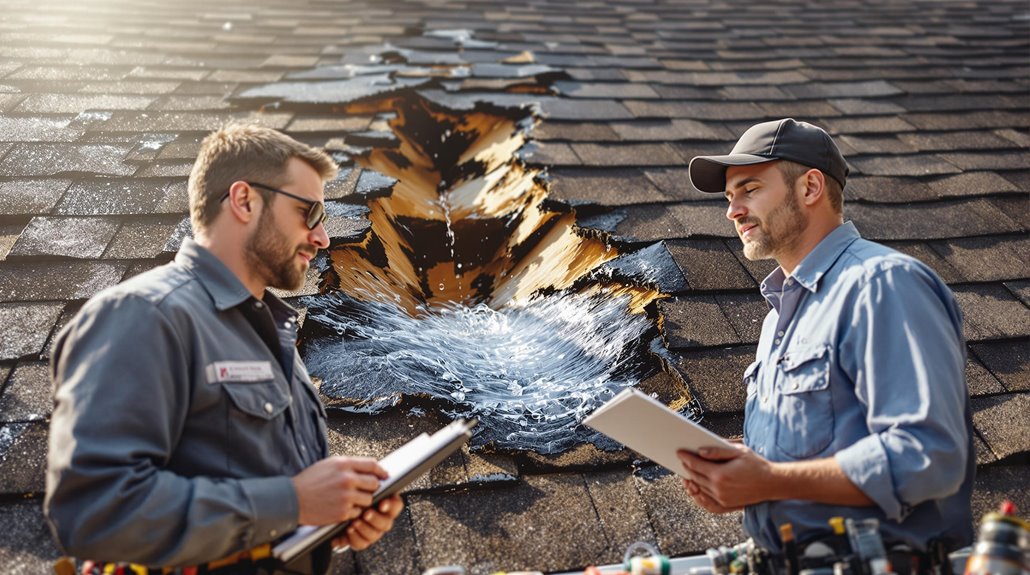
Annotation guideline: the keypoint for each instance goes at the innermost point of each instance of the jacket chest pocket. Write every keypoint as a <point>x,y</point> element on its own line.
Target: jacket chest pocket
<point>805,412</point>
<point>256,441</point>
<point>261,400</point>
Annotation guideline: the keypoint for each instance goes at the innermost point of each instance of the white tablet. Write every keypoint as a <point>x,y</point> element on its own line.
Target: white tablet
<point>648,427</point>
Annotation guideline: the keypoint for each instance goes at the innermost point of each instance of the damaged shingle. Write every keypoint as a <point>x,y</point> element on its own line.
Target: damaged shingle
<point>346,222</point>
<point>331,91</point>
<point>651,266</point>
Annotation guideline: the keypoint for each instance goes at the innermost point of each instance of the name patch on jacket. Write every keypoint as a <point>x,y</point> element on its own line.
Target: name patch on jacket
<point>221,371</point>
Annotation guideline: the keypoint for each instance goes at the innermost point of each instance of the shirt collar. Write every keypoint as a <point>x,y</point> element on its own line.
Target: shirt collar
<point>818,261</point>
<point>221,284</point>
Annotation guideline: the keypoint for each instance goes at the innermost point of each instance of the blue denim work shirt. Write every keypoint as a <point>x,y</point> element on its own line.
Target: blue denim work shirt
<point>861,358</point>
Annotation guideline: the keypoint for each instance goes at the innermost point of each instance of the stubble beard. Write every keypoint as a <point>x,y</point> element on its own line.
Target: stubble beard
<point>782,227</point>
<point>269,253</point>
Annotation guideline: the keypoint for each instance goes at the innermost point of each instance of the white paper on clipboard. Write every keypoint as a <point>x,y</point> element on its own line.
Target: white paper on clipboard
<point>648,427</point>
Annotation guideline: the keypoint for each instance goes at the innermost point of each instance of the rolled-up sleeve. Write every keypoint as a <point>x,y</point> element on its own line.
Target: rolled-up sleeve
<point>121,401</point>
<point>904,345</point>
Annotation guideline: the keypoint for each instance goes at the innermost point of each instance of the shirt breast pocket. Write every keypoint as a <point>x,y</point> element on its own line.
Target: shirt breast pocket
<point>751,379</point>
<point>805,414</point>
<point>752,418</point>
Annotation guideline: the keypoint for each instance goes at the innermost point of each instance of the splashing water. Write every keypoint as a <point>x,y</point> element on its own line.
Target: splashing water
<point>530,373</point>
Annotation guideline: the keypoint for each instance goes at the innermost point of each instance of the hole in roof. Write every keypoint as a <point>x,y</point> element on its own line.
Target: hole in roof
<point>471,292</point>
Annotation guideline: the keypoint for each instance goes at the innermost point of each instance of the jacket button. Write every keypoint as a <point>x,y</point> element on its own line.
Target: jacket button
<point>268,407</point>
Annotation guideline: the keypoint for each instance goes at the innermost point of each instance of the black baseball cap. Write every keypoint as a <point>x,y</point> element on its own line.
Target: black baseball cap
<point>785,139</point>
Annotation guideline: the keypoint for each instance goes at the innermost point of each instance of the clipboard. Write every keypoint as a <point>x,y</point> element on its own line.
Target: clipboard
<point>404,465</point>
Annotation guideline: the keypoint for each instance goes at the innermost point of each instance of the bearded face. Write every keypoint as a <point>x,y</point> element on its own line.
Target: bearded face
<point>780,228</point>
<point>271,254</point>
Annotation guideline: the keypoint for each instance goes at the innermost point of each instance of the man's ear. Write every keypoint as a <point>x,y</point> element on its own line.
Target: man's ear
<point>813,183</point>
<point>240,201</point>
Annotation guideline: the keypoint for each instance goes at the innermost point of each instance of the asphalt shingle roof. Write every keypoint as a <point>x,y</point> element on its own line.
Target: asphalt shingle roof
<point>103,104</point>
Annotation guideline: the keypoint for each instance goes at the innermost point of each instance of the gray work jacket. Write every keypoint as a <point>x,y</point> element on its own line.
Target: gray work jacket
<point>181,410</point>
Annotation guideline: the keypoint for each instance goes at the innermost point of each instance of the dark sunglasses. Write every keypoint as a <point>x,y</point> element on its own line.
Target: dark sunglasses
<point>316,210</point>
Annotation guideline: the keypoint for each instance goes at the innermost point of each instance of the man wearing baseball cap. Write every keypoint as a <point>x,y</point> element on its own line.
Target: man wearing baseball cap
<point>856,402</point>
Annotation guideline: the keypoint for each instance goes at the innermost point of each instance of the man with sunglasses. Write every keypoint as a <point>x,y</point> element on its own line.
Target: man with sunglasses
<point>186,432</point>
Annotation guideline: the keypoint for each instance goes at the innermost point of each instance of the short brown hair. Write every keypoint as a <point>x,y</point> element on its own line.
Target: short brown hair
<point>791,171</point>
<point>251,153</point>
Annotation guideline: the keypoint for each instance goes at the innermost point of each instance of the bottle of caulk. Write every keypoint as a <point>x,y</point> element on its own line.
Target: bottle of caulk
<point>1004,545</point>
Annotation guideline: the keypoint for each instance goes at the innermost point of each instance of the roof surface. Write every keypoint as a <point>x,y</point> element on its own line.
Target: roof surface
<point>103,103</point>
